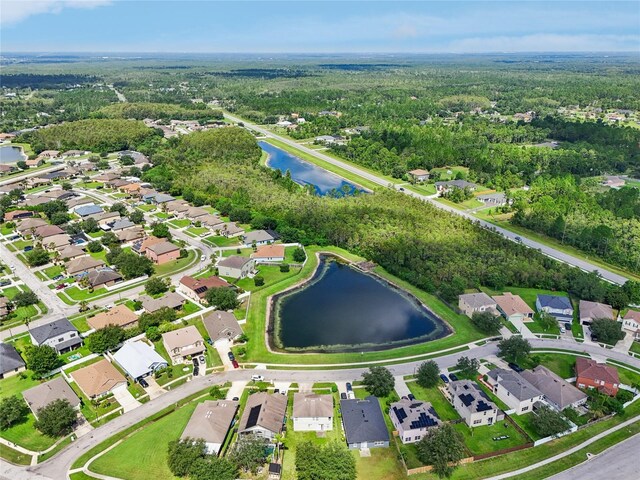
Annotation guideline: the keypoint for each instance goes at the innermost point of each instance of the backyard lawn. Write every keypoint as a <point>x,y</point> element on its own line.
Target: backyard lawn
<point>16,384</point>
<point>479,440</point>
<point>441,405</point>
<point>180,223</point>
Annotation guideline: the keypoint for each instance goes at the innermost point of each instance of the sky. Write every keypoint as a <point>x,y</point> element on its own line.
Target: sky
<point>302,26</point>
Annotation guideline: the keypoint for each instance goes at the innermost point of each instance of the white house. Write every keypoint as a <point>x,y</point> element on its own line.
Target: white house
<point>631,323</point>
<point>139,359</point>
<point>514,390</point>
<point>59,334</point>
<point>269,254</point>
<point>412,419</point>
<point>557,306</point>
<point>211,421</point>
<point>473,405</point>
<point>235,266</point>
<point>312,412</point>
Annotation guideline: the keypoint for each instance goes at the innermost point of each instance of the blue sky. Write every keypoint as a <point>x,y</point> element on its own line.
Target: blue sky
<point>311,26</point>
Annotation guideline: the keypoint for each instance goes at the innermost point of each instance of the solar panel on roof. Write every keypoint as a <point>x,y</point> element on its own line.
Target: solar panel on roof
<point>482,406</point>
<point>400,413</point>
<point>466,398</point>
<point>254,413</point>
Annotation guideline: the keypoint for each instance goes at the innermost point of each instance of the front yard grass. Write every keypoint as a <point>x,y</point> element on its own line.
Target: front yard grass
<point>222,241</point>
<point>197,231</point>
<point>180,223</point>
<point>26,435</point>
<point>53,271</point>
<point>177,265</point>
<point>16,384</point>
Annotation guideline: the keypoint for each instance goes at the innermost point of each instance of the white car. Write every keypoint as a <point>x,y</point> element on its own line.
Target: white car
<point>257,378</point>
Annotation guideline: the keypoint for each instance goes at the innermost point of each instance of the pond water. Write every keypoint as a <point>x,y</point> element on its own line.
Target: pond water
<point>305,173</point>
<point>11,154</point>
<point>344,309</point>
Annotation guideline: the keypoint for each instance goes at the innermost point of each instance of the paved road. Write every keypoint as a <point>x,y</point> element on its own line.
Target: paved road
<point>549,251</point>
<point>28,174</point>
<point>617,462</point>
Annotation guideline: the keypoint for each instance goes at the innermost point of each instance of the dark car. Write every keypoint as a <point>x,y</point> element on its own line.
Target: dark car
<point>232,357</point>
<point>235,364</point>
<point>61,286</point>
<point>401,189</point>
<point>518,239</point>
<point>195,362</point>
<point>453,377</point>
<point>235,399</point>
<point>343,396</point>
<point>4,283</point>
<point>349,387</point>
<point>515,367</point>
<point>196,371</point>
<point>567,326</point>
<point>594,338</point>
<point>143,383</point>
<point>28,248</point>
<point>58,277</point>
<point>444,378</point>
<point>411,397</point>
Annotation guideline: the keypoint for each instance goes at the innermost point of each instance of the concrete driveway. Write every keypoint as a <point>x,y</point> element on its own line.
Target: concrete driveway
<point>154,390</point>
<point>224,347</point>
<point>236,389</point>
<point>401,387</point>
<point>125,399</point>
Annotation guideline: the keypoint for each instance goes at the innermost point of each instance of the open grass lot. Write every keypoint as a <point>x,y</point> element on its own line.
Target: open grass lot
<point>144,454</point>
<point>255,326</point>
<point>79,294</point>
<point>180,223</point>
<point>146,208</point>
<point>422,188</point>
<point>449,173</point>
<point>26,435</point>
<point>479,440</point>
<point>53,271</point>
<point>432,395</point>
<point>177,265</point>
<point>197,231</point>
<point>222,241</point>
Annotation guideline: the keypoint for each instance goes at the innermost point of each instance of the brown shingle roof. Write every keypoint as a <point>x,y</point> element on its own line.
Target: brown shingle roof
<point>201,285</point>
<point>511,304</point>
<point>45,393</point>
<point>82,264</point>
<point>119,315</point>
<point>163,247</point>
<point>98,378</point>
<point>587,368</point>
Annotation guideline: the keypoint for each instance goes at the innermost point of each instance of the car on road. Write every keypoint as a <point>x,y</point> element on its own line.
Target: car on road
<point>232,357</point>
<point>444,378</point>
<point>235,399</point>
<point>518,239</point>
<point>349,387</point>
<point>515,367</point>
<point>143,383</point>
<point>401,189</point>
<point>453,377</point>
<point>235,364</point>
<point>257,378</point>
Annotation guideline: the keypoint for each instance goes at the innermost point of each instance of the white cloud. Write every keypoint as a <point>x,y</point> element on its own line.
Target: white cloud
<point>546,43</point>
<point>12,11</point>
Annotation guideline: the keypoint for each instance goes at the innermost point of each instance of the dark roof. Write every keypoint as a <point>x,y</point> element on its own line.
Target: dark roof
<point>49,330</point>
<point>88,210</point>
<point>554,301</point>
<point>363,421</point>
<point>10,359</point>
<point>100,277</point>
<point>415,414</point>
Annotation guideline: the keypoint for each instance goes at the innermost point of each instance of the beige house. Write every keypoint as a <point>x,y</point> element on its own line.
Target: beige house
<point>183,343</point>
<point>82,265</point>
<point>211,422</point>
<point>514,390</point>
<point>42,395</point>
<point>589,311</point>
<point>312,412</point>
<point>631,323</point>
<point>120,315</point>
<point>269,254</point>
<point>98,379</point>
<point>513,307</point>
<point>469,303</point>
<point>473,405</point>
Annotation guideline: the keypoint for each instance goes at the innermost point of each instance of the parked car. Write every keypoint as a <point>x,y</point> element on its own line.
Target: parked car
<point>257,378</point>
<point>349,387</point>
<point>195,362</point>
<point>61,286</point>
<point>567,326</point>
<point>14,237</point>
<point>235,399</point>
<point>202,359</point>
<point>563,330</point>
<point>209,341</point>
<point>232,357</point>
<point>58,277</point>
<point>343,396</point>
<point>453,377</point>
<point>196,371</point>
<point>444,378</point>
<point>515,367</point>
<point>28,248</point>
<point>235,364</point>
<point>143,383</point>
<point>4,283</point>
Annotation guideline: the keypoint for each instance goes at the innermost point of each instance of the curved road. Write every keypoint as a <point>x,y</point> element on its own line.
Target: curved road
<point>546,250</point>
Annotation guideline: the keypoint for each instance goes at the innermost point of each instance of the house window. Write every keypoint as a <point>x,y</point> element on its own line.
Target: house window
<point>61,339</point>
<point>524,409</point>
<point>73,334</point>
<point>476,422</point>
<point>378,443</point>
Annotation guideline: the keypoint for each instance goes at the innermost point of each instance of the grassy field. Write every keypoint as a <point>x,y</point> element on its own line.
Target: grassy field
<point>222,241</point>
<point>144,454</point>
<point>26,435</point>
<point>466,205</point>
<point>180,223</point>
<point>441,405</point>
<point>14,456</point>
<point>15,385</point>
<point>558,363</point>
<point>422,188</point>
<point>479,440</point>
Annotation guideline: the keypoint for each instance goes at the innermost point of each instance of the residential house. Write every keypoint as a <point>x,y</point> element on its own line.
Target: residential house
<point>131,234</point>
<point>557,391</point>
<point>4,169</point>
<point>120,316</point>
<point>59,334</point>
<point>98,379</point>
<point>105,218</point>
<point>363,423</point>
<point>4,306</point>
<point>557,306</point>
<point>141,246</point>
<point>45,231</point>
<point>69,252</point>
<point>130,189</point>
<point>17,214</point>
<point>28,226</point>
<point>210,221</point>
<point>269,254</point>
<point>86,210</point>
<point>446,186</point>
<point>183,343</point>
<point>312,412</point>
<point>12,363</point>
<point>412,419</point>
<point>494,199</point>
<point>196,288</point>
<point>194,213</point>
<point>591,374</point>
<point>34,162</point>
<point>514,390</point>
<point>83,265</point>
<point>176,207</point>
<point>613,181</point>
<point>139,359</point>
<point>257,238</point>
<point>631,323</point>
<point>228,229</point>
<point>222,326</point>
<point>513,307</point>
<point>106,177</point>
<point>211,422</point>
<point>75,202</point>
<point>235,266</point>
<point>589,311</point>
<point>122,224</point>
<point>469,303</point>
<point>263,415</point>
<point>170,300</point>
<point>163,252</point>
<point>473,405</point>
<point>49,153</point>
<point>74,153</point>
<point>157,198</point>
<point>46,393</point>
<point>57,242</point>
<point>419,175</point>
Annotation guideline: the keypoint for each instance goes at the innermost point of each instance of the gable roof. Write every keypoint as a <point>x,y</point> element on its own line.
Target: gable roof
<point>82,264</point>
<point>632,315</point>
<point>555,389</point>
<point>595,310</point>
<point>269,251</point>
<point>419,172</point>
<point>477,300</point>
<point>514,383</point>
<point>42,395</point>
<point>414,414</point>
<point>53,329</point>
<point>363,420</point>
<point>122,223</point>
<point>512,304</point>
<point>200,286</point>
<point>71,252</point>
<point>220,324</point>
<point>258,236</point>
<point>555,301</point>
<point>98,378</point>
<point>592,370</point>
<point>119,315</point>
<point>163,247</point>
<point>211,421</point>
<point>234,261</point>
<point>10,359</point>
<point>170,300</point>
<point>471,396</point>
<point>29,223</point>
<point>142,246</point>
<point>45,231</point>
<point>312,405</point>
<point>138,359</point>
<point>264,410</point>
<point>183,337</point>
<point>86,210</point>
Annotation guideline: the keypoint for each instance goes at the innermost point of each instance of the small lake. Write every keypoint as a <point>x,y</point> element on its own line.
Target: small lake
<point>305,173</point>
<point>343,309</point>
<point>11,154</point>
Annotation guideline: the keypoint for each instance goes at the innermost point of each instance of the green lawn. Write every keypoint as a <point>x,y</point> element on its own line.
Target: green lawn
<point>81,324</point>
<point>14,456</point>
<point>479,440</point>
<point>526,423</point>
<point>146,207</point>
<point>10,292</point>
<point>177,265</point>
<point>441,405</point>
<point>466,205</point>
<point>79,294</point>
<point>143,455</point>
<point>161,215</point>
<point>635,347</point>
<point>102,255</point>
<point>16,384</point>
<point>560,364</point>
<point>26,435</point>
<point>180,223</point>
<point>223,241</point>
<point>20,244</point>
<point>53,271</point>
<point>422,188</point>
<point>271,274</point>
<point>383,464</point>
<point>197,231</point>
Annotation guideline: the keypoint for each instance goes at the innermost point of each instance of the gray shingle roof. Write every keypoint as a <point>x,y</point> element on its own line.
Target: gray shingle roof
<point>50,330</point>
<point>10,359</point>
<point>258,236</point>
<point>554,301</point>
<point>234,261</point>
<point>514,383</point>
<point>555,389</point>
<point>363,421</point>
<point>45,393</point>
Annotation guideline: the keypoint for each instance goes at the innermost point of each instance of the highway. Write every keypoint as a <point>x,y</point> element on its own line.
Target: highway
<point>546,250</point>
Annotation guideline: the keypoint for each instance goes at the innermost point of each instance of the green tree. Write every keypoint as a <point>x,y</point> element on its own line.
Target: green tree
<point>90,225</point>
<point>324,462</point>
<point>24,299</point>
<point>249,454</point>
<point>36,257</point>
<point>258,280</point>
<point>607,330</point>
<point>109,239</point>
<point>131,265</point>
<point>468,367</point>
<point>378,381</point>
<point>213,468</point>
<point>548,422</point>
<point>223,298</point>
<point>216,392</point>
<point>137,217</point>
<point>284,268</point>
<point>546,320</point>
<point>57,418</point>
<point>105,339</point>
<point>183,454</point>
<point>161,230</point>
<point>155,286</point>
<point>13,410</point>
<point>41,359</point>
<point>298,255</point>
<point>486,322</point>
<point>442,448</point>
<point>95,246</point>
<point>119,207</point>
<point>428,374</point>
<point>514,348</point>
